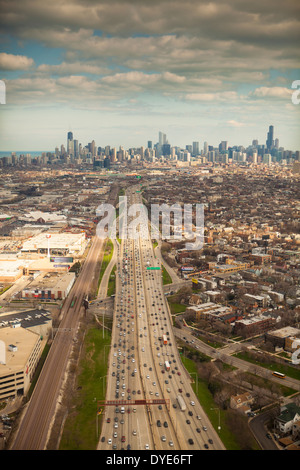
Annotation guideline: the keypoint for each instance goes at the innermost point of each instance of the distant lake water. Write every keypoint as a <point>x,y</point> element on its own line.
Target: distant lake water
<point>33,153</point>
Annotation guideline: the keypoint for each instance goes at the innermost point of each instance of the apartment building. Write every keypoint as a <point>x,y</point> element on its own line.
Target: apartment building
<point>256,325</point>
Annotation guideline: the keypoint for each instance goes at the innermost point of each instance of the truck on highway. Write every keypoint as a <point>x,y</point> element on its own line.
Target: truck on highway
<point>167,365</point>
<point>165,339</point>
<point>181,403</point>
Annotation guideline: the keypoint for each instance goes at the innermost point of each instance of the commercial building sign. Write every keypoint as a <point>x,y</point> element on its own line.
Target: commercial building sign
<point>63,259</point>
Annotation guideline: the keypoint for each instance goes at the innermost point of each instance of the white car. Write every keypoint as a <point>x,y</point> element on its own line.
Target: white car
<point>192,403</point>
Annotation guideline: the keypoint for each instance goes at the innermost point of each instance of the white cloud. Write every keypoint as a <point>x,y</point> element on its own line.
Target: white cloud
<point>72,68</point>
<point>15,62</point>
<point>218,96</point>
<point>272,92</point>
<point>234,123</point>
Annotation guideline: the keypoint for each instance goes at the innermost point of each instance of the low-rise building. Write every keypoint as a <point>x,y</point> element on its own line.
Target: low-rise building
<point>55,244</point>
<point>289,415</point>
<point>283,337</point>
<point>257,300</point>
<point>242,402</point>
<point>210,311</point>
<point>254,325</point>
<point>49,286</point>
<point>20,351</point>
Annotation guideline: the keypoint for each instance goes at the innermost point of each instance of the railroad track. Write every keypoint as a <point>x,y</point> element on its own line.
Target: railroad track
<point>34,429</point>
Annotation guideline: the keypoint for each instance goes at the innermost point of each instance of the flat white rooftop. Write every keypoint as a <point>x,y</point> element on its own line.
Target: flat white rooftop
<point>71,241</point>
<point>24,340</point>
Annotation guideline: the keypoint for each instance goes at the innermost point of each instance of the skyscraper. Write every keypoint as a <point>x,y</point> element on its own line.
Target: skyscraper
<point>195,148</point>
<point>70,144</point>
<point>270,138</point>
<point>223,146</point>
<point>162,138</point>
<point>76,148</point>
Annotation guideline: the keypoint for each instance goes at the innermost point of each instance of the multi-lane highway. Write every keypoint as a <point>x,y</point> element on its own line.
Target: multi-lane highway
<point>145,375</point>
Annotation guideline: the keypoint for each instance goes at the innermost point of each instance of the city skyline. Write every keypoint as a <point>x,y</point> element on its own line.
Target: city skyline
<point>120,72</point>
<point>75,147</point>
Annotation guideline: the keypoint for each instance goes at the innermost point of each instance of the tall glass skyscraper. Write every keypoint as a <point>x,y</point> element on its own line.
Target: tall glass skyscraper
<point>270,138</point>
<point>70,144</point>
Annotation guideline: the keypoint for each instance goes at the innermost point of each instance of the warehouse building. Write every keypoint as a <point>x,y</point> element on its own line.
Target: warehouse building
<point>49,286</point>
<point>55,244</point>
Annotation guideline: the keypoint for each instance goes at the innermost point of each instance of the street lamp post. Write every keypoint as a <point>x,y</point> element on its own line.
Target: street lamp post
<point>106,346</point>
<point>104,376</point>
<point>192,373</point>
<point>219,426</point>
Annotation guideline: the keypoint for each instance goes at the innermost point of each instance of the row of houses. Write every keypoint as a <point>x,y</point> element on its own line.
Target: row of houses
<point>285,426</point>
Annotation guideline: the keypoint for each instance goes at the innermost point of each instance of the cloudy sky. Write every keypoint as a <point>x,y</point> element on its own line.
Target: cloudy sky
<point>120,71</point>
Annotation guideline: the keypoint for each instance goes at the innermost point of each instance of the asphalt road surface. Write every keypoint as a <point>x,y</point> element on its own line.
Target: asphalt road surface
<point>145,375</point>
